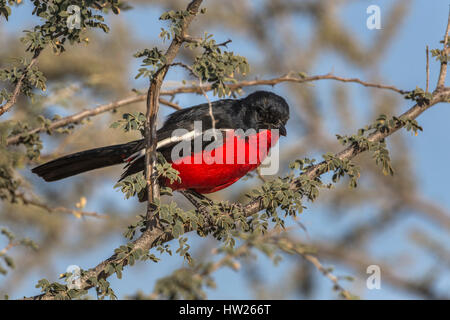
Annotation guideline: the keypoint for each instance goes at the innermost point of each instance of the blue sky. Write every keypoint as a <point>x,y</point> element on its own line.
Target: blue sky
<point>403,66</point>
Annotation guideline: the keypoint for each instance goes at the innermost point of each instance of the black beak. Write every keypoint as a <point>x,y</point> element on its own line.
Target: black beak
<point>282,129</point>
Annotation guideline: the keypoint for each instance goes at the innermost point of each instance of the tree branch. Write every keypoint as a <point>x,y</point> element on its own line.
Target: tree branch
<point>76,213</point>
<point>191,89</point>
<point>153,107</point>
<point>12,101</point>
<point>286,78</point>
<point>86,114</point>
<point>443,71</point>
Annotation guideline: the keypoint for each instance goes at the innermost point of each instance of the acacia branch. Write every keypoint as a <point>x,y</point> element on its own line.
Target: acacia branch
<point>200,89</point>
<point>12,101</point>
<point>153,107</point>
<point>77,117</point>
<point>8,247</point>
<point>443,71</point>
<point>286,78</point>
<point>327,273</point>
<point>74,212</point>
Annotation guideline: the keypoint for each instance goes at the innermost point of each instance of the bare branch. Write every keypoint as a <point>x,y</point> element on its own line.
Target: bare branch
<point>443,71</point>
<point>316,263</point>
<point>285,78</point>
<point>76,213</point>
<point>428,70</point>
<point>77,117</point>
<point>8,247</point>
<point>153,107</point>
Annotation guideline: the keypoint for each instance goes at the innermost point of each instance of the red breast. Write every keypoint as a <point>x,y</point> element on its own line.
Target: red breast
<point>213,170</point>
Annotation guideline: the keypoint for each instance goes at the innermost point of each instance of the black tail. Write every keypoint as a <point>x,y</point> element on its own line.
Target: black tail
<point>83,161</point>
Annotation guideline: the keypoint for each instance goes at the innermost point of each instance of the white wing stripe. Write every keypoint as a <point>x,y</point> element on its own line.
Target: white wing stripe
<point>187,136</point>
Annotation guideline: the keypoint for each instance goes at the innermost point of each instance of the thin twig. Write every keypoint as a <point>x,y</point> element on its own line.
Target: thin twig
<point>12,101</point>
<point>77,117</point>
<point>8,247</point>
<point>314,261</point>
<point>76,213</point>
<point>285,78</point>
<point>428,70</point>
<point>443,71</point>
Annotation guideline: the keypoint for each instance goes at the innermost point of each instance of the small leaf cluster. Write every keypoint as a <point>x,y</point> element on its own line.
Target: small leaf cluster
<point>61,291</point>
<point>216,66</point>
<point>223,219</point>
<point>5,7</point>
<point>132,185</point>
<point>8,183</point>
<point>176,19</point>
<point>440,55</point>
<point>131,229</point>
<point>31,77</point>
<point>184,283</point>
<point>54,30</point>
<point>342,167</point>
<point>5,95</point>
<point>302,164</point>
<point>174,219</point>
<point>12,242</point>
<point>378,149</point>
<point>131,121</point>
<point>136,184</point>
<point>164,169</point>
<point>124,255</point>
<point>153,60</point>
<point>409,124</point>
<point>419,95</point>
<point>279,193</point>
<point>57,289</point>
<point>128,254</point>
<point>31,141</point>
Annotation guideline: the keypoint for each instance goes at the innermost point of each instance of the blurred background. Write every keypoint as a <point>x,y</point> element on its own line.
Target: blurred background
<point>399,223</point>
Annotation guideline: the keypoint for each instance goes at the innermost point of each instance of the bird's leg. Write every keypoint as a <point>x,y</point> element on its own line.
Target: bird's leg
<point>200,196</point>
<point>195,202</point>
<point>196,199</point>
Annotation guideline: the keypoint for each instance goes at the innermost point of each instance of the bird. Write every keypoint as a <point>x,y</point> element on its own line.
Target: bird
<point>241,133</point>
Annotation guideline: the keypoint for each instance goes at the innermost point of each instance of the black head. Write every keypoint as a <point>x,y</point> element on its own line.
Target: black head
<point>267,111</point>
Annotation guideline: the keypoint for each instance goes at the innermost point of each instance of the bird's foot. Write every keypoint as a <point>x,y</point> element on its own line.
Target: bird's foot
<point>199,201</point>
